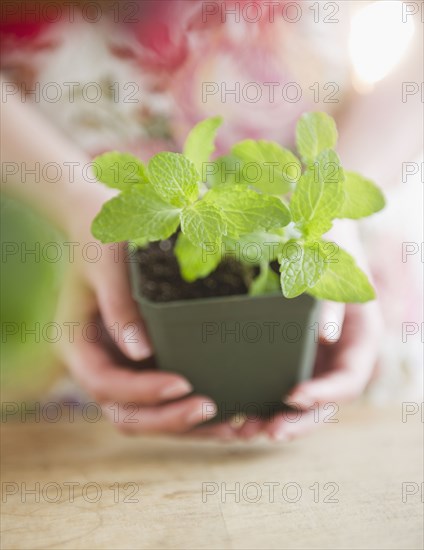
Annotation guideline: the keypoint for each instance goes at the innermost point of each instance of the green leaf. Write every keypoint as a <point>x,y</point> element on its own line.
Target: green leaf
<point>174,178</point>
<point>139,243</point>
<point>267,282</point>
<point>136,214</point>
<point>195,262</point>
<point>225,170</point>
<point>203,224</point>
<point>119,170</point>
<point>267,166</point>
<point>200,142</point>
<point>301,266</point>
<point>254,248</point>
<point>343,281</point>
<point>362,197</point>
<point>246,211</point>
<point>319,195</point>
<point>315,132</point>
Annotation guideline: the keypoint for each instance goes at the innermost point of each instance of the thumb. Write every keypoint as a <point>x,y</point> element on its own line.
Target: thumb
<point>331,322</point>
<point>120,313</point>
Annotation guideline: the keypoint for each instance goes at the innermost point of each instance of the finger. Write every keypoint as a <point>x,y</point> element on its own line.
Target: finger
<point>224,431</point>
<point>106,381</point>
<point>120,313</point>
<point>251,428</point>
<point>350,362</point>
<point>351,373</point>
<point>331,322</point>
<point>283,428</point>
<point>177,417</point>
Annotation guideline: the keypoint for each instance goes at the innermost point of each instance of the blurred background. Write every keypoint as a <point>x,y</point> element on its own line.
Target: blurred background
<point>29,291</point>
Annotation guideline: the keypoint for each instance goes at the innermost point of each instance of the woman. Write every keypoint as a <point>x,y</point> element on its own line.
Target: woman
<point>153,69</point>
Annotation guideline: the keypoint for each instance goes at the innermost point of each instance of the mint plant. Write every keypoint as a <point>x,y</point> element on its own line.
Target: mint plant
<point>259,193</point>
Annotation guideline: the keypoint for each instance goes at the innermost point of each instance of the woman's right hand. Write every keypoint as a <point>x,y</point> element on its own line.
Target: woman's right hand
<point>96,295</point>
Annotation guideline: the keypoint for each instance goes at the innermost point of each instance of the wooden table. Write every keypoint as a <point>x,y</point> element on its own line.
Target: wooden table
<point>340,487</point>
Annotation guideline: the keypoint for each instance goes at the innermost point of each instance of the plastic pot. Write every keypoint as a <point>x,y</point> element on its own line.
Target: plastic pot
<point>244,352</point>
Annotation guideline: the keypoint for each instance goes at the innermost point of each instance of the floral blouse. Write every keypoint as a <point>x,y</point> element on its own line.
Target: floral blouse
<point>140,80</point>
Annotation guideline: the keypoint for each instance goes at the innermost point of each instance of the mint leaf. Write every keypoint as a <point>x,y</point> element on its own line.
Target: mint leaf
<point>272,169</point>
<point>343,281</point>
<point>119,170</point>
<point>200,142</point>
<point>174,178</point>
<point>315,132</point>
<point>225,170</point>
<point>195,262</point>
<point>267,282</point>
<point>238,217</point>
<point>139,243</point>
<point>301,266</point>
<point>362,197</point>
<point>203,224</point>
<point>254,248</point>
<point>319,195</point>
<point>138,213</point>
<point>246,211</point>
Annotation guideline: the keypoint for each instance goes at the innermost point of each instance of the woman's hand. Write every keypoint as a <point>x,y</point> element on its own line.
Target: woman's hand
<point>96,301</point>
<point>342,371</point>
<point>347,355</point>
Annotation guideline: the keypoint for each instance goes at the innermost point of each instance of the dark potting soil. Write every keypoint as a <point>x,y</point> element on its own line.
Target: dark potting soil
<point>161,280</point>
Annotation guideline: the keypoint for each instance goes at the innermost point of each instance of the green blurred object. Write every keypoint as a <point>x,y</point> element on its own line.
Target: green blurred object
<point>31,269</point>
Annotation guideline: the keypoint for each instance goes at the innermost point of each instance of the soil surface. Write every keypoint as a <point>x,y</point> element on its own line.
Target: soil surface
<point>161,280</point>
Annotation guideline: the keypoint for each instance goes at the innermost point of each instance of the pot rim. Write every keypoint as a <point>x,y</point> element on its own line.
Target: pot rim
<point>235,298</point>
<point>232,299</point>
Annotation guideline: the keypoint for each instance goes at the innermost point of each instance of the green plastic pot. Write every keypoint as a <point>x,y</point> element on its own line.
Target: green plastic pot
<point>244,352</point>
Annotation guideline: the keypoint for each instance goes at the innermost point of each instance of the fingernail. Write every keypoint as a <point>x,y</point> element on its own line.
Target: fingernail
<point>178,389</point>
<point>205,411</point>
<point>137,351</point>
<point>330,325</point>
<point>136,346</point>
<point>298,400</point>
<point>238,421</point>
